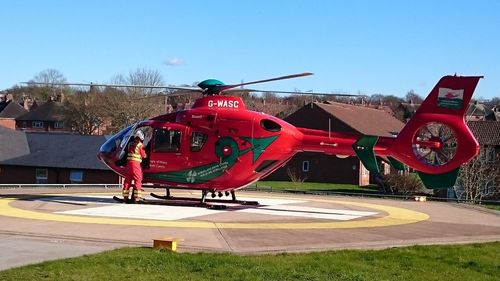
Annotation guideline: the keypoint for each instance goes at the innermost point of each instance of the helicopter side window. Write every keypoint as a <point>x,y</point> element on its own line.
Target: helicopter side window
<point>197,141</point>
<point>166,140</point>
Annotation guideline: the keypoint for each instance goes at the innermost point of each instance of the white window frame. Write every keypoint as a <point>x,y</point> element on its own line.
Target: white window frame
<point>306,167</point>
<point>41,175</point>
<point>37,124</point>
<point>76,176</point>
<point>58,125</point>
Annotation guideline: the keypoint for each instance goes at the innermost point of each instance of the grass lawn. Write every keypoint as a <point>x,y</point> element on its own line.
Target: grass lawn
<point>491,206</point>
<point>349,188</point>
<point>452,262</point>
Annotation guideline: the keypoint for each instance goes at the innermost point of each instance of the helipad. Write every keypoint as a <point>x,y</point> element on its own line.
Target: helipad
<point>271,213</point>
<point>280,223</point>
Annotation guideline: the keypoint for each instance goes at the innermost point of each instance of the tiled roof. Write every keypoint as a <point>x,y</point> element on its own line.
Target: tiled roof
<point>368,121</point>
<point>478,109</point>
<point>49,111</point>
<point>12,110</point>
<point>486,132</point>
<point>12,144</point>
<point>56,150</point>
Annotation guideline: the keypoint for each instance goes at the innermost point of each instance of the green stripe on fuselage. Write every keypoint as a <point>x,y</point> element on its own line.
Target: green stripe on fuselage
<point>211,171</point>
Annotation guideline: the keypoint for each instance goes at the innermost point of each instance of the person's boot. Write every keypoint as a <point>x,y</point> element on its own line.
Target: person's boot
<point>138,196</point>
<point>125,194</point>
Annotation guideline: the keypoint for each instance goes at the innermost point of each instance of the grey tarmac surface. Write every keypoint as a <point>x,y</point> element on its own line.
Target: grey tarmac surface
<point>52,228</point>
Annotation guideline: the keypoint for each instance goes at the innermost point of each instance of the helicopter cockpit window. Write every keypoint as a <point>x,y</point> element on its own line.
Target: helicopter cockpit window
<point>166,140</point>
<point>148,134</point>
<point>197,141</point>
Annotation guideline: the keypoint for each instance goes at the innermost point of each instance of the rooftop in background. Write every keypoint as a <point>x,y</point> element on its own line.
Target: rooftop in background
<point>50,150</point>
<point>486,132</point>
<point>366,120</point>
<point>479,111</point>
<point>49,111</point>
<point>12,110</point>
<point>12,144</point>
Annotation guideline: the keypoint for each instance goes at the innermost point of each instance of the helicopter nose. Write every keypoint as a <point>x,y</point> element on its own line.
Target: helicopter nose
<point>104,156</point>
<point>107,150</point>
<point>111,148</point>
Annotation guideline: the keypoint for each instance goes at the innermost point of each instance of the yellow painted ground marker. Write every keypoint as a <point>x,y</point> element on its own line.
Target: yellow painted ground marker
<point>168,243</point>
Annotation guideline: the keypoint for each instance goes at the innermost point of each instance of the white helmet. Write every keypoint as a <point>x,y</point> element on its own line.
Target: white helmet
<point>139,134</point>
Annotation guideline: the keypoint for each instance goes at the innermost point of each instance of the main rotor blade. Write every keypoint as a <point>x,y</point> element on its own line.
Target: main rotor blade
<point>303,93</point>
<point>226,87</point>
<point>115,86</point>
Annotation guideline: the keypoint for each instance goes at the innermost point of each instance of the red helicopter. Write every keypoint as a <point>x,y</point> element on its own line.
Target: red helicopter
<point>218,146</point>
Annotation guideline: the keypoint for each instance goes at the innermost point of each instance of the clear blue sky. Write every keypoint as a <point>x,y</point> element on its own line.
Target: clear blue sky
<point>386,47</point>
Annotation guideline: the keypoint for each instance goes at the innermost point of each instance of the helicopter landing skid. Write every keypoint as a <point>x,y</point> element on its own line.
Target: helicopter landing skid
<point>204,201</point>
<point>188,202</point>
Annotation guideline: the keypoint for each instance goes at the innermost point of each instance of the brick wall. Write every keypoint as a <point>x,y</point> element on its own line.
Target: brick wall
<point>8,123</point>
<point>26,175</point>
<point>322,168</point>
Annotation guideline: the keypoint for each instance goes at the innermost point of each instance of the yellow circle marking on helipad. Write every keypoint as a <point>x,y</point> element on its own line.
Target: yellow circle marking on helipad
<point>395,216</point>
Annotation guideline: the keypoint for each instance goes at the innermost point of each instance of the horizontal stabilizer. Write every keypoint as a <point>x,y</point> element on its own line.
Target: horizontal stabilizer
<point>364,150</point>
<point>439,181</point>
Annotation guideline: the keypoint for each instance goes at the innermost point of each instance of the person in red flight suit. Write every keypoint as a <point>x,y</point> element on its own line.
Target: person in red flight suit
<point>134,170</point>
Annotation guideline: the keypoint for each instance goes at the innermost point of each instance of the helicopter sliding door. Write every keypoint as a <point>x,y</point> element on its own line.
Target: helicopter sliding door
<point>166,149</point>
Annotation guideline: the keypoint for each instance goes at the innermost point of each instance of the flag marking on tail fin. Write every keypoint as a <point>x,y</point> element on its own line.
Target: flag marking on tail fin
<point>450,98</point>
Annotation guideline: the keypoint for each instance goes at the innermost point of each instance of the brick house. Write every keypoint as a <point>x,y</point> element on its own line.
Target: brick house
<point>47,117</point>
<point>52,158</point>
<point>9,113</point>
<point>337,117</point>
<point>480,112</point>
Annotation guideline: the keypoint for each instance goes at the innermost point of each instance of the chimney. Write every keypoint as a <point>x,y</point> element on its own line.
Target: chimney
<point>27,102</point>
<point>9,97</point>
<point>60,97</point>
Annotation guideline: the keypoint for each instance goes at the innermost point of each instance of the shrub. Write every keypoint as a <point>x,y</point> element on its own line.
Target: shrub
<point>405,184</point>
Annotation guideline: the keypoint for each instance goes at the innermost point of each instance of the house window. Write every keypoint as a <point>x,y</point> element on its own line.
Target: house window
<point>58,125</point>
<point>37,124</point>
<point>305,166</point>
<point>76,176</point>
<point>41,175</point>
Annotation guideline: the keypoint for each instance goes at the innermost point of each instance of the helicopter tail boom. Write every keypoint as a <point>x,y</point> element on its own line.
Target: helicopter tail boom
<point>436,141</point>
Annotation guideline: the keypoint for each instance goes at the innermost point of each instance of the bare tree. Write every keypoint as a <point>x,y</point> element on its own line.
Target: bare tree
<point>412,97</point>
<point>124,106</point>
<point>144,76</point>
<point>83,113</point>
<point>49,76</point>
<point>480,178</point>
